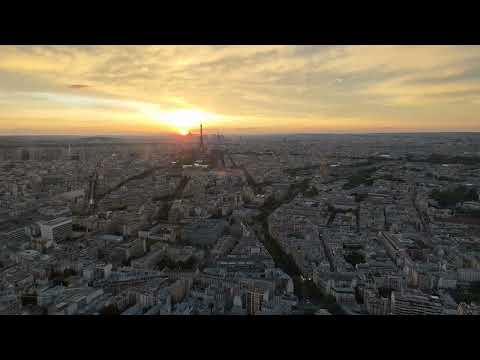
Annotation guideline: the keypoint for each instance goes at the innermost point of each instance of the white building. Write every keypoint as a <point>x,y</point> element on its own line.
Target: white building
<point>469,275</point>
<point>415,303</point>
<point>56,230</point>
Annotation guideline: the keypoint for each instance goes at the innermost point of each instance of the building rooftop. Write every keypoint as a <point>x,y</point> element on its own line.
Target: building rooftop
<point>57,221</point>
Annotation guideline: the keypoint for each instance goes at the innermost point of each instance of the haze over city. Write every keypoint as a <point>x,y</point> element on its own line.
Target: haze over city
<point>238,89</point>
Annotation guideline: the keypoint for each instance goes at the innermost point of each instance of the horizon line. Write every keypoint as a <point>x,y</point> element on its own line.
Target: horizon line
<point>252,134</point>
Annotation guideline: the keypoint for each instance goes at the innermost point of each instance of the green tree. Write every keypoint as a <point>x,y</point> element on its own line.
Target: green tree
<point>460,194</point>
<point>355,258</point>
<point>110,310</point>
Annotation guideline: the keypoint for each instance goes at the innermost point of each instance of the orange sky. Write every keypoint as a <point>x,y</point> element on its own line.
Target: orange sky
<point>238,89</point>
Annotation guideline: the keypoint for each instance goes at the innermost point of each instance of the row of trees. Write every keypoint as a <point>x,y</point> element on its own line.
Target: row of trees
<point>451,197</point>
<point>109,310</point>
<point>467,294</point>
<point>188,264</point>
<point>446,159</point>
<point>355,257</point>
<point>360,178</point>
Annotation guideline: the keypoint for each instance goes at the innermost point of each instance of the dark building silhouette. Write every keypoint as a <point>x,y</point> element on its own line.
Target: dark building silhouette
<point>202,145</point>
<point>25,155</point>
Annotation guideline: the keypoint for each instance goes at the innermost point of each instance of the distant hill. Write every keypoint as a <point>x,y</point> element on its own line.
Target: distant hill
<point>98,139</point>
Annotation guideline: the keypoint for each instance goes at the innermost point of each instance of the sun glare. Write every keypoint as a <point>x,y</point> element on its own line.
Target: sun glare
<point>181,121</point>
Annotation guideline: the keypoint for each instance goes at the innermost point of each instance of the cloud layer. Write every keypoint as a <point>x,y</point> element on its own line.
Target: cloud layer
<point>91,89</point>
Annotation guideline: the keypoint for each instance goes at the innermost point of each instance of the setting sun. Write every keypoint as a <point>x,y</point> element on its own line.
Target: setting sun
<point>238,89</point>
<point>186,119</point>
<point>180,121</point>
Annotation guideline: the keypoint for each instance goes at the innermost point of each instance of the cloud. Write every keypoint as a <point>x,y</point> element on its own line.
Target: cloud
<point>78,86</point>
<point>404,85</point>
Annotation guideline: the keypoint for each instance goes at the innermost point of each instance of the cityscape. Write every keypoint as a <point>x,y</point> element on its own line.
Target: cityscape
<point>209,224</point>
<point>205,217</point>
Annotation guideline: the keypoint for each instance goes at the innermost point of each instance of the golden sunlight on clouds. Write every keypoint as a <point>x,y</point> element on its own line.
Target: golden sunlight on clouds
<point>238,89</point>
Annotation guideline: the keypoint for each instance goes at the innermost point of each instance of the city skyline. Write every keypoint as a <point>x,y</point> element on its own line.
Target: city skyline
<point>138,90</point>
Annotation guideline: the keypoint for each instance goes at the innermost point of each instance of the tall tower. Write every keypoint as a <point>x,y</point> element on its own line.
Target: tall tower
<point>323,169</point>
<point>92,185</point>
<point>202,147</point>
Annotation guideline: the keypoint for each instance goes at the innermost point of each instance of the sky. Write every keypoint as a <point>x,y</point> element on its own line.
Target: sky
<point>142,90</point>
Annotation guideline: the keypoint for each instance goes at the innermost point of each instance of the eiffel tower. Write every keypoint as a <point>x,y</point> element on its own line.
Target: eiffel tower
<point>202,145</point>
